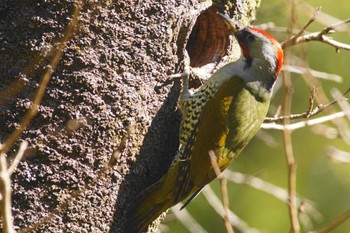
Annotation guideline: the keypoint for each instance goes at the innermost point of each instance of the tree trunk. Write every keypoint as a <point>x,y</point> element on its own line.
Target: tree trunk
<point>109,96</point>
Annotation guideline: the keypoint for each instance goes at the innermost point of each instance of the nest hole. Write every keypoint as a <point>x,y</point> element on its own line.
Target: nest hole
<point>209,39</point>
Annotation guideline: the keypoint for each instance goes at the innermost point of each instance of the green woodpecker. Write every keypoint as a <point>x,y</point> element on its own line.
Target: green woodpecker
<point>222,117</point>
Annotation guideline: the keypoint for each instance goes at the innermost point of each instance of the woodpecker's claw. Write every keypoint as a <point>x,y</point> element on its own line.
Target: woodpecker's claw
<point>185,75</point>
<point>180,75</point>
<point>187,70</point>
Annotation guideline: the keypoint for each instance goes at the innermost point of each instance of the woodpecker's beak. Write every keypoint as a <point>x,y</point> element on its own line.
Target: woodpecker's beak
<point>232,25</point>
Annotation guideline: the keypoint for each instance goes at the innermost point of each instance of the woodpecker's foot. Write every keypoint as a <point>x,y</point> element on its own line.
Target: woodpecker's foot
<point>187,70</point>
<point>185,76</point>
<point>185,93</point>
<point>182,75</point>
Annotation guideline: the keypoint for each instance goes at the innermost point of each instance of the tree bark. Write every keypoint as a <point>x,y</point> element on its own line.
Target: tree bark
<point>110,95</point>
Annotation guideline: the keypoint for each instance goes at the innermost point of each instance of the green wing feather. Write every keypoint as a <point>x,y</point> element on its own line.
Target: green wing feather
<point>212,133</point>
<point>227,122</point>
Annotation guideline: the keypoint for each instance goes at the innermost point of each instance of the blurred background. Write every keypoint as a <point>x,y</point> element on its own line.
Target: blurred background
<point>322,152</point>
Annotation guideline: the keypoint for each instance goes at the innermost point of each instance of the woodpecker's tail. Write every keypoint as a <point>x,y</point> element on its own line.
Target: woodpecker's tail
<point>148,205</point>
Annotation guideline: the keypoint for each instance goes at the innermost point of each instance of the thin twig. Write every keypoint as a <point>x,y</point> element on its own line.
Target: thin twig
<point>344,105</point>
<point>214,163</point>
<point>318,36</point>
<point>311,101</point>
<point>340,123</point>
<point>339,220</point>
<point>338,156</point>
<point>5,188</point>
<point>277,192</point>
<point>215,202</point>
<point>293,211</point>
<point>5,203</point>
<point>33,109</point>
<point>302,124</point>
<point>306,114</point>
<point>322,18</point>
<point>292,205</point>
<point>223,185</point>
<point>259,184</point>
<point>294,38</point>
<point>187,220</point>
<point>314,73</point>
<point>225,201</point>
<point>18,157</point>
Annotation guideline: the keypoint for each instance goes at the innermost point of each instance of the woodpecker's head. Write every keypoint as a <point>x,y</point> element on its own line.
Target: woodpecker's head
<point>262,53</point>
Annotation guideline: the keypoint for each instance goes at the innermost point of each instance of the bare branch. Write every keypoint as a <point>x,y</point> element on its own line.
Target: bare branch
<point>214,163</point>
<point>287,138</point>
<point>338,156</point>
<point>33,109</point>
<point>257,183</point>
<point>339,220</point>
<point>322,18</point>
<point>5,188</point>
<point>18,157</point>
<point>305,123</point>
<point>187,220</point>
<point>5,203</point>
<point>215,202</point>
<point>306,114</point>
<point>225,201</point>
<point>293,210</point>
<point>318,36</point>
<point>277,192</point>
<point>312,19</point>
<point>223,185</point>
<point>344,105</point>
<point>314,73</point>
<point>311,102</point>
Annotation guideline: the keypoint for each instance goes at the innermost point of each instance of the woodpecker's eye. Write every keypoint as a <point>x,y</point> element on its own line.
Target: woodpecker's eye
<point>250,38</point>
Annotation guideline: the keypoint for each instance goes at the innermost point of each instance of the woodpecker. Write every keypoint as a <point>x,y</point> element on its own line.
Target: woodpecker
<point>221,117</point>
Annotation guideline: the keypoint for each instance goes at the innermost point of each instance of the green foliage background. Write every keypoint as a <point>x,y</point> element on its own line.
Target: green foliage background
<point>319,179</point>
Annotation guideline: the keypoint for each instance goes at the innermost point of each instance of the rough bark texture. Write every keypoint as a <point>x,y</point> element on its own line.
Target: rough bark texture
<point>113,77</point>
